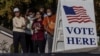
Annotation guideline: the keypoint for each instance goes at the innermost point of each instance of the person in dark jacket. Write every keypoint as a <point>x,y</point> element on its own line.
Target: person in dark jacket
<point>38,34</point>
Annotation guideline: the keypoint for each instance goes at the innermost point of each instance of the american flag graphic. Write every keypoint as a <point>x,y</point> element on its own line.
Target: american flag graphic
<point>76,14</point>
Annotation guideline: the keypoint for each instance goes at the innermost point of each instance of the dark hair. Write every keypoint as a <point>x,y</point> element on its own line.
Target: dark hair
<point>43,11</point>
<point>40,14</point>
<point>51,10</point>
<point>31,10</point>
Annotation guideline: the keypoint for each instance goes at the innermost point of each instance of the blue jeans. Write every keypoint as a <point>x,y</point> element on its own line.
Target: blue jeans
<point>50,42</point>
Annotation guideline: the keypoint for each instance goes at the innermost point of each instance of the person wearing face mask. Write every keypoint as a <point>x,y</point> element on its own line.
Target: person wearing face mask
<point>49,25</point>
<point>30,18</point>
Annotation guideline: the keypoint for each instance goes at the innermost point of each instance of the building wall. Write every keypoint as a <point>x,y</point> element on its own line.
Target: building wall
<point>5,43</point>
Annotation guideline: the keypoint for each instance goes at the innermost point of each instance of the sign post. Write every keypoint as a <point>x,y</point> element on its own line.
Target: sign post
<point>75,25</point>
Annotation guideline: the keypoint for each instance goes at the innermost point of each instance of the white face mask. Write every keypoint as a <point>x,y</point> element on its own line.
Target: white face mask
<point>49,14</point>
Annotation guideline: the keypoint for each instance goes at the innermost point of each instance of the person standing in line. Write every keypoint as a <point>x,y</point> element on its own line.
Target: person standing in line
<point>49,25</point>
<point>38,34</point>
<point>30,18</point>
<point>42,11</point>
<point>18,31</point>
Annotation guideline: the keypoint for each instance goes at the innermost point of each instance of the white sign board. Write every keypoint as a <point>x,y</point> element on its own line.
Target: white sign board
<point>78,23</point>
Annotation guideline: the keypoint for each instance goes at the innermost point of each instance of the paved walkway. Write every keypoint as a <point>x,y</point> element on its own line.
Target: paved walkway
<point>96,51</point>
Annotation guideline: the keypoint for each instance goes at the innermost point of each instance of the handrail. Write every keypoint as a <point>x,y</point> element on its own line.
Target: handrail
<point>6,31</point>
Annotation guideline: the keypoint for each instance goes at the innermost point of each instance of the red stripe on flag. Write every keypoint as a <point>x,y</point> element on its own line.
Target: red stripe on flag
<point>80,15</point>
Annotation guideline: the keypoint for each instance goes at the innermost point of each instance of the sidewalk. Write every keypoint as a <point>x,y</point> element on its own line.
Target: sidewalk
<point>95,51</point>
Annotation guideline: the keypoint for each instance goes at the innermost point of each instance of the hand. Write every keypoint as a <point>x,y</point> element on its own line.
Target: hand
<point>38,28</point>
<point>19,27</point>
<point>36,31</point>
<point>23,25</point>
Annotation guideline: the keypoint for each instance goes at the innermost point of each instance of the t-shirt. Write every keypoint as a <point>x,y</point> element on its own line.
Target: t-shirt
<point>38,34</point>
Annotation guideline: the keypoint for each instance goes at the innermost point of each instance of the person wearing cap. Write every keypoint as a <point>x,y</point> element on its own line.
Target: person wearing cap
<point>18,31</point>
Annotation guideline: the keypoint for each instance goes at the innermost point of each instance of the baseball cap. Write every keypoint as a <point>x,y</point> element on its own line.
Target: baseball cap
<point>16,10</point>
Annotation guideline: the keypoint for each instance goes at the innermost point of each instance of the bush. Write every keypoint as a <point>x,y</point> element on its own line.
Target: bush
<point>12,49</point>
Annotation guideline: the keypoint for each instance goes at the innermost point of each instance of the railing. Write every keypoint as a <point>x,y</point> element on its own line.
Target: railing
<point>6,31</point>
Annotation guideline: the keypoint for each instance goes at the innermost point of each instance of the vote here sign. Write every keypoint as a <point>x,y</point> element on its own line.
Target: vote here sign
<point>79,26</point>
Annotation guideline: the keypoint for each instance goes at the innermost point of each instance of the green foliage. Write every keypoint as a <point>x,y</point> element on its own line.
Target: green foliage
<point>8,5</point>
<point>99,43</point>
<point>12,48</point>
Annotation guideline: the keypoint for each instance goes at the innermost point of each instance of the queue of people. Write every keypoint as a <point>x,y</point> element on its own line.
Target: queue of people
<point>33,30</point>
